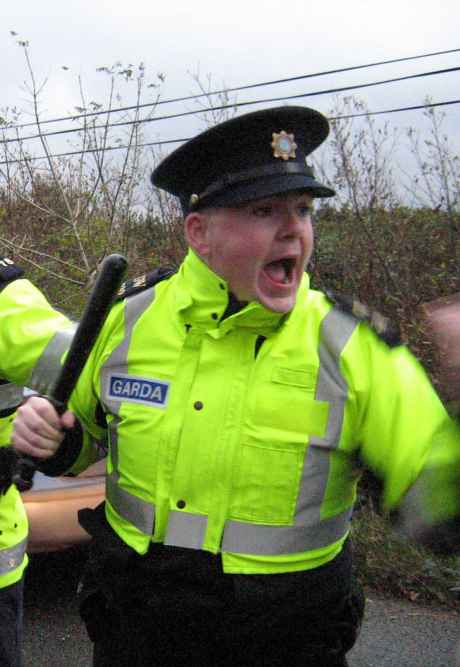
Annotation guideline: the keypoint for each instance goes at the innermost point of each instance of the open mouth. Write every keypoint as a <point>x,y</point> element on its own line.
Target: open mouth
<point>281,271</point>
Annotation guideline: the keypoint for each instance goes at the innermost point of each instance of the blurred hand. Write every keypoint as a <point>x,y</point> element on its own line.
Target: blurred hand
<point>441,327</point>
<point>38,430</point>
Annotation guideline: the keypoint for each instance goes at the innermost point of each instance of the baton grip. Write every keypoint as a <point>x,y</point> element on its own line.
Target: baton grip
<point>25,467</point>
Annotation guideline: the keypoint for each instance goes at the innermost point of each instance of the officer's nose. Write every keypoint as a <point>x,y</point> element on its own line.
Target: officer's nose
<point>291,224</point>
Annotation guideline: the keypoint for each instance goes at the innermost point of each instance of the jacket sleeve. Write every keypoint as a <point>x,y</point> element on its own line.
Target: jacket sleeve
<point>406,436</point>
<point>33,336</point>
<point>33,339</point>
<point>430,511</point>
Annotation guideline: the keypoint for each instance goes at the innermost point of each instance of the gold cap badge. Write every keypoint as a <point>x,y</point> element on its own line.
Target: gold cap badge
<point>283,145</point>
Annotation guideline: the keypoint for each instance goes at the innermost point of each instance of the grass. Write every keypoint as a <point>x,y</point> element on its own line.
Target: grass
<point>397,568</point>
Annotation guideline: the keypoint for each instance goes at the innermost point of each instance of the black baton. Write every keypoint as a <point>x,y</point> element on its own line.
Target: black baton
<point>100,300</point>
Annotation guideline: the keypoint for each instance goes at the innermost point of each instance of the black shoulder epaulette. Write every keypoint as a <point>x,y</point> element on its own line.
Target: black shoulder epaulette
<point>9,271</point>
<point>136,285</point>
<point>383,326</point>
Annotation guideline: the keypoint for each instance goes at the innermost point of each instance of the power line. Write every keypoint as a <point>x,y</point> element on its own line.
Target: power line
<point>284,98</point>
<point>176,141</point>
<point>238,88</point>
<point>415,107</point>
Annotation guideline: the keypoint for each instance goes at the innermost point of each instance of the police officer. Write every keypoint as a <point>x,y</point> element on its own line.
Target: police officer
<point>238,402</point>
<point>13,536</point>
<point>31,345</point>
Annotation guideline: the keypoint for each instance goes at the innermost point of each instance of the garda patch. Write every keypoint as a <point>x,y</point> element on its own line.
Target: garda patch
<point>138,390</point>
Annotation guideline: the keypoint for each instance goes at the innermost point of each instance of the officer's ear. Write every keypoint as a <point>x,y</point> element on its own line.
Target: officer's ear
<point>197,232</point>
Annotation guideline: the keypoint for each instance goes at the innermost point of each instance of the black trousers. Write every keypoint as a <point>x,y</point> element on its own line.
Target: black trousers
<point>196,637</point>
<point>175,607</point>
<point>11,624</point>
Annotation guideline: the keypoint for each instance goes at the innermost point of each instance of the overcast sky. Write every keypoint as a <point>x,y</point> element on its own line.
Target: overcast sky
<point>237,42</point>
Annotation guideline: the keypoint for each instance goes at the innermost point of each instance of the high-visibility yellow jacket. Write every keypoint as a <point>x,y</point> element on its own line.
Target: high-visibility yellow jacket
<point>33,337</point>
<point>242,434</point>
<point>13,518</point>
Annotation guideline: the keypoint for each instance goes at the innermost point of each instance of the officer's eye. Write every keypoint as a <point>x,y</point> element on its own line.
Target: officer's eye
<point>305,210</point>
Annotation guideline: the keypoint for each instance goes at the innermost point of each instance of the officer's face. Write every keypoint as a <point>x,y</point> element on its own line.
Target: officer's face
<point>261,248</point>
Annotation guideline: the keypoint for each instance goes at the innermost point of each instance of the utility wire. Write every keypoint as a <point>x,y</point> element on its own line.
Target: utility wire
<point>176,141</point>
<point>416,107</point>
<point>237,88</point>
<point>284,98</point>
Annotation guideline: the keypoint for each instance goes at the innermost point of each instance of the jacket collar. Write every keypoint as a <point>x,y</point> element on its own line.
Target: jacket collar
<point>202,298</point>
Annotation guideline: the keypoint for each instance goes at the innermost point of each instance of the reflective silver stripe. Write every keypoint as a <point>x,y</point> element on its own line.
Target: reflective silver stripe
<point>118,361</point>
<point>336,330</point>
<point>12,558</point>
<point>49,364</point>
<point>251,538</point>
<point>309,530</point>
<point>10,395</point>
<point>186,530</point>
<point>131,508</point>
<point>413,519</point>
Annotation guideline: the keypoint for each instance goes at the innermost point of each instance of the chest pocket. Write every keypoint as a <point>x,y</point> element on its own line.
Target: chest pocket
<point>286,403</point>
<point>283,415</point>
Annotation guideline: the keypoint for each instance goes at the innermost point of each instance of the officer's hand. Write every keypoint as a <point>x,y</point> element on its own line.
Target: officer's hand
<point>38,429</point>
